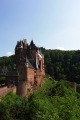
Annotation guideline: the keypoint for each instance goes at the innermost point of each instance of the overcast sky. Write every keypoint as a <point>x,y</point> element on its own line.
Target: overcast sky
<point>50,23</point>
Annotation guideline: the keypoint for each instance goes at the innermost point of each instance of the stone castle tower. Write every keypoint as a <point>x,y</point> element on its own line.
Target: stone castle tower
<point>29,65</point>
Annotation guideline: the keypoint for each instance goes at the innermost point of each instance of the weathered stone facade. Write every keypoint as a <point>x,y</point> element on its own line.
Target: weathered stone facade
<point>29,65</point>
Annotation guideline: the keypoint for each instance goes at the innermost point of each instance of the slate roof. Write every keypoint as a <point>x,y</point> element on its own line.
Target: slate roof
<point>28,64</point>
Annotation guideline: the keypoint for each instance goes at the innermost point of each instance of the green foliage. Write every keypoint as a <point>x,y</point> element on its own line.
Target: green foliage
<point>2,81</point>
<point>61,89</point>
<point>7,61</point>
<point>2,78</point>
<point>53,101</point>
<point>63,64</point>
<point>15,107</point>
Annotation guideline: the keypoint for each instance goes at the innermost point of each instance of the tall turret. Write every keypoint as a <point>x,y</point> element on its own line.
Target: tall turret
<point>18,52</point>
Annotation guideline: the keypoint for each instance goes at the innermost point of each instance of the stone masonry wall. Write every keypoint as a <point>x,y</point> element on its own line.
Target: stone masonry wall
<point>30,75</point>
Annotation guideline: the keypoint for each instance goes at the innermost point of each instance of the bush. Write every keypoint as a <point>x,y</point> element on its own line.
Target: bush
<point>16,107</point>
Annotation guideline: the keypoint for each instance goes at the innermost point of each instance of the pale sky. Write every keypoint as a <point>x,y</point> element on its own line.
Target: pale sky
<point>50,23</point>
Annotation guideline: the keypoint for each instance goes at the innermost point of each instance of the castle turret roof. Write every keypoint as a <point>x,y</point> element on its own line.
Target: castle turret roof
<point>28,64</point>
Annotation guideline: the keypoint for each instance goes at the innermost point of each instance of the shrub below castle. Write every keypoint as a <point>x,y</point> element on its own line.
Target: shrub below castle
<point>53,101</point>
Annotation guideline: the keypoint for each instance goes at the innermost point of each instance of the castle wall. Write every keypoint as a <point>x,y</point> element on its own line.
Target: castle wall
<point>21,70</point>
<point>39,77</point>
<point>18,55</point>
<point>30,75</point>
<point>21,88</point>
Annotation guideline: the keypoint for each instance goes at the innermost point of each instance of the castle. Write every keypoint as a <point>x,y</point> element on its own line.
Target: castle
<point>28,68</point>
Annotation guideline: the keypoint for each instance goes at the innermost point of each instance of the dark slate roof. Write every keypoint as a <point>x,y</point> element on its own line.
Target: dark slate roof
<point>28,64</point>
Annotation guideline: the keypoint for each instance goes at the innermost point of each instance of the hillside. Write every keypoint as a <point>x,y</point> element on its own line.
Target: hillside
<point>53,101</point>
<point>63,64</point>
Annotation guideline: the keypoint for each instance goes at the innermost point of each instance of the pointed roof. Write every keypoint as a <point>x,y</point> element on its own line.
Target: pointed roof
<point>28,64</point>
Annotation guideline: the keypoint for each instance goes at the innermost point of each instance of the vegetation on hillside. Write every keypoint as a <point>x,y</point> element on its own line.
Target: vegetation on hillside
<point>53,101</point>
<point>63,64</point>
<point>58,64</point>
<point>7,61</point>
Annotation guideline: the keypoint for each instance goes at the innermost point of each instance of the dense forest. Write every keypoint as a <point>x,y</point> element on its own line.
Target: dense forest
<point>63,64</point>
<point>58,64</point>
<point>55,100</point>
<point>7,61</point>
